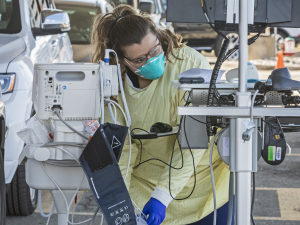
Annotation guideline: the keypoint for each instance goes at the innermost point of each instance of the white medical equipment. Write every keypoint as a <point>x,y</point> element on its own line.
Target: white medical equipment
<point>233,74</point>
<point>74,89</point>
<point>67,93</point>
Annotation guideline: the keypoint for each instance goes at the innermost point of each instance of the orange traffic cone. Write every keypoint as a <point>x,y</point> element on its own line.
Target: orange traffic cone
<point>280,63</point>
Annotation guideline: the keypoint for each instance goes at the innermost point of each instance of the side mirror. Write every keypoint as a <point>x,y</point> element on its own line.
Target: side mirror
<point>53,21</point>
<point>146,6</point>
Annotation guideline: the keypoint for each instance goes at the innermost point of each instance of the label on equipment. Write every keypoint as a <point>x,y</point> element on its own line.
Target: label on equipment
<point>278,153</point>
<point>225,146</point>
<point>289,47</point>
<point>271,153</point>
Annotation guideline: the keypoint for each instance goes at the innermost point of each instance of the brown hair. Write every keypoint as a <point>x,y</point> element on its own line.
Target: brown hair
<point>124,27</point>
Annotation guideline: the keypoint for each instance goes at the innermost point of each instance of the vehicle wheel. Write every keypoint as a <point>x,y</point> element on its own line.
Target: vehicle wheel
<point>21,200</point>
<point>281,35</point>
<point>3,192</point>
<point>234,40</point>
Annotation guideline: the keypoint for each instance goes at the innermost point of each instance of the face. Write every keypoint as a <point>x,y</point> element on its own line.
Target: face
<point>136,52</point>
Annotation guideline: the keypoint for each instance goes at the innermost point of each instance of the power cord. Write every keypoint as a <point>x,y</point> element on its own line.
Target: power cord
<point>140,162</point>
<point>268,123</point>
<point>65,199</point>
<point>231,199</point>
<point>250,41</point>
<point>182,163</point>
<point>204,9</point>
<point>197,120</point>
<point>253,198</point>
<point>69,126</point>
<point>212,175</point>
<point>170,165</point>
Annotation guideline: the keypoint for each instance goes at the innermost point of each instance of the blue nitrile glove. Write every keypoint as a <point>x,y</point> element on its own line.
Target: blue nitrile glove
<point>156,211</point>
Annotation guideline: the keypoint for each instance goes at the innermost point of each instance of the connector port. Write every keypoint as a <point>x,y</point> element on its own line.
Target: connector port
<point>56,108</point>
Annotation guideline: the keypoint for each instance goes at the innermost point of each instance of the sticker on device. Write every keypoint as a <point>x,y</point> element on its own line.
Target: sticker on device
<point>278,153</point>
<point>271,153</point>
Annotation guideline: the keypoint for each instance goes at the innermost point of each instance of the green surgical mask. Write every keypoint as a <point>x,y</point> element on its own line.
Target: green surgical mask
<point>153,68</point>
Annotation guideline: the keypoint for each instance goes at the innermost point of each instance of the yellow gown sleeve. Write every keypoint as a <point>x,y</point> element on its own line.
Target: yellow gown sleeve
<point>179,178</point>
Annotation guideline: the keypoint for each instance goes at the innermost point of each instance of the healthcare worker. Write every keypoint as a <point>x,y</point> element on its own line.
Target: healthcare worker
<point>151,59</point>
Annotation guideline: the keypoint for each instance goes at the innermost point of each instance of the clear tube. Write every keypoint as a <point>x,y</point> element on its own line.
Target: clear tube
<point>129,157</point>
<point>111,112</point>
<point>252,104</point>
<point>40,206</point>
<point>121,87</point>
<point>68,205</point>
<point>102,94</point>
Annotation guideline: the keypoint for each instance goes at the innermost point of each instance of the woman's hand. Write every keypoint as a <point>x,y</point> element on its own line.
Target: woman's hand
<point>156,211</point>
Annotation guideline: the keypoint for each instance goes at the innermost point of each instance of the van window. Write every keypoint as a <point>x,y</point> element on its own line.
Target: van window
<point>81,20</point>
<point>10,19</point>
<point>128,2</point>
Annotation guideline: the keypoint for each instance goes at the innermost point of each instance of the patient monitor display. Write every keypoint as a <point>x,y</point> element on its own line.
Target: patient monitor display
<point>275,13</point>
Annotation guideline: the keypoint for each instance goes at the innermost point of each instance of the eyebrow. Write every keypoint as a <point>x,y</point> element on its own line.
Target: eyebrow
<point>148,51</point>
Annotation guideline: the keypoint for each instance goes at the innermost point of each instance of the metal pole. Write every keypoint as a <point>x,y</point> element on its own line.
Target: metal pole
<point>243,55</point>
<point>275,43</point>
<point>243,149</point>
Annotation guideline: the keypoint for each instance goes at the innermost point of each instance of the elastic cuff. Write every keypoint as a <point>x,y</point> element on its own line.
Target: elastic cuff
<point>162,195</point>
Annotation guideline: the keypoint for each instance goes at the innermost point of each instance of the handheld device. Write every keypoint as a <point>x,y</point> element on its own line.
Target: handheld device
<point>185,80</point>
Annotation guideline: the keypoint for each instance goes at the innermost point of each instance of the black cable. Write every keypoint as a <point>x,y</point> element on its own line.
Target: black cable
<point>260,102</point>
<point>184,96</point>
<point>204,9</point>
<point>212,86</point>
<point>193,166</point>
<point>187,101</point>
<point>137,166</point>
<point>139,129</point>
<point>197,120</point>
<point>140,163</point>
<point>250,41</point>
<point>268,123</point>
<point>253,197</point>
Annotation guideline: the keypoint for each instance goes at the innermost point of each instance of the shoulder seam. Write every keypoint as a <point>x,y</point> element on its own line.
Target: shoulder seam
<point>189,58</point>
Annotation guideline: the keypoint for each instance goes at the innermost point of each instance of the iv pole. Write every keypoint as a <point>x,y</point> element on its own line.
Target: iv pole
<point>243,154</point>
<point>243,149</point>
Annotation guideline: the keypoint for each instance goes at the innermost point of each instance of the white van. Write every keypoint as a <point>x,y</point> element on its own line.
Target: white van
<point>29,33</point>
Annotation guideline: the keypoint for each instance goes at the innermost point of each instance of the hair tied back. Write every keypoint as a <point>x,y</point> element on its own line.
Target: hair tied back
<point>119,18</point>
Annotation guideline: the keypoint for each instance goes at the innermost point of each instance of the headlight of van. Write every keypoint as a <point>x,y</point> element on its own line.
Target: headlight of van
<point>7,82</point>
